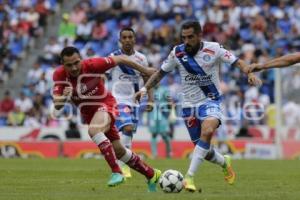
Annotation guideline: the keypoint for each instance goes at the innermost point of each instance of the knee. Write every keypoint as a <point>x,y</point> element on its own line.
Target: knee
<point>207,132</point>
<point>93,130</point>
<point>210,154</point>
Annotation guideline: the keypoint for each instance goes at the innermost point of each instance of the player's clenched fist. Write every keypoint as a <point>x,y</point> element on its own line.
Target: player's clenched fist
<point>140,94</point>
<point>254,80</point>
<point>67,91</point>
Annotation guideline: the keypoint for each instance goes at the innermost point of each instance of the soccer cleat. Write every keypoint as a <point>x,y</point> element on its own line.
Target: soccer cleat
<point>188,183</point>
<point>115,179</point>
<point>126,171</point>
<point>229,174</point>
<point>152,182</point>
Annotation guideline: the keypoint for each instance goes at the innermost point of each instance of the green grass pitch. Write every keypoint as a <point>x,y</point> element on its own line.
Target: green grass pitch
<point>66,179</point>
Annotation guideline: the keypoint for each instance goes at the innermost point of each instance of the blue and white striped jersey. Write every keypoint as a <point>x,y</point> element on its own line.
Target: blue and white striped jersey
<point>200,73</point>
<point>125,80</point>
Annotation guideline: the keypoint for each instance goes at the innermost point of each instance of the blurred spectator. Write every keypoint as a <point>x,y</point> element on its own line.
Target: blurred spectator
<point>35,73</point>
<point>215,14</point>
<point>23,103</point>
<point>67,30</point>
<point>32,119</point>
<point>3,73</point>
<point>154,56</point>
<point>99,31</point>
<point>52,50</point>
<point>42,86</point>
<point>77,15</point>
<point>291,114</point>
<point>84,30</point>
<point>6,105</point>
<point>243,132</point>
<point>72,132</point>
<point>16,117</point>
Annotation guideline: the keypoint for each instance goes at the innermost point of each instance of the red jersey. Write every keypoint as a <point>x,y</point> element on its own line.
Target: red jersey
<point>7,105</point>
<point>89,92</point>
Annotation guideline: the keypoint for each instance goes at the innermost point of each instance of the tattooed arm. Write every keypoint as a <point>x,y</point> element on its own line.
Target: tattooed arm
<point>153,80</point>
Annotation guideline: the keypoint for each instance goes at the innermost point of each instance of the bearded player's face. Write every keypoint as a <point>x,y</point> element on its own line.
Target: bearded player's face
<point>72,64</point>
<point>191,40</point>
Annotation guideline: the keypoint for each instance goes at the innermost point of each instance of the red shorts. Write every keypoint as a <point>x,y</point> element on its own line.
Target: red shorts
<point>112,110</point>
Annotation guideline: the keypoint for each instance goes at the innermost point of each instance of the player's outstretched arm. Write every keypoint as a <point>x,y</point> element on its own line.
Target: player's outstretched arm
<point>153,80</point>
<point>126,61</point>
<point>280,62</point>
<point>252,79</point>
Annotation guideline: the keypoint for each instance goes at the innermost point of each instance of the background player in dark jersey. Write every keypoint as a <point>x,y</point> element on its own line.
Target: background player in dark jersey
<point>79,81</point>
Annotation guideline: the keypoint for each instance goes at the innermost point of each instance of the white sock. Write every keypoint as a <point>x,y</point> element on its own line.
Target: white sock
<point>127,142</point>
<point>217,158</point>
<point>200,152</point>
<point>99,138</point>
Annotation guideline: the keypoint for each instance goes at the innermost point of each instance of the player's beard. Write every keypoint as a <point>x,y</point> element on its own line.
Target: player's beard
<point>192,50</point>
<point>128,49</point>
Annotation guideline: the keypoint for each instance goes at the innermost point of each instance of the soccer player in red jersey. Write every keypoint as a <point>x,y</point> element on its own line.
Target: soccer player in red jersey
<point>79,81</point>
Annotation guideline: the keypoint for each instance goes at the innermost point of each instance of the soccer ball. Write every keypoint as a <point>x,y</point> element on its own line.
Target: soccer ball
<point>171,181</point>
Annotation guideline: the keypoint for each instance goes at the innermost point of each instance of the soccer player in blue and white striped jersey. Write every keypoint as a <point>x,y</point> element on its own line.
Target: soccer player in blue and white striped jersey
<point>198,63</point>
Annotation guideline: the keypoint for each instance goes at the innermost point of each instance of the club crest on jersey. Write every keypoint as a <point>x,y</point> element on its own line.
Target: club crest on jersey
<point>83,88</point>
<point>206,58</point>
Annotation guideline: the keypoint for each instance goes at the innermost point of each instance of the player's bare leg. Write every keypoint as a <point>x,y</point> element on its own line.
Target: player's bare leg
<point>135,162</point>
<point>99,125</point>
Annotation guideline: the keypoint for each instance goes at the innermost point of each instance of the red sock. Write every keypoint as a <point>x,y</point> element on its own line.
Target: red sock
<point>137,164</point>
<point>108,152</point>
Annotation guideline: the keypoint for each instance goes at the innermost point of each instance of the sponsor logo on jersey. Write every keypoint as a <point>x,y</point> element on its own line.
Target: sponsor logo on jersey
<point>206,58</point>
<point>87,95</point>
<point>200,80</point>
<point>131,78</point>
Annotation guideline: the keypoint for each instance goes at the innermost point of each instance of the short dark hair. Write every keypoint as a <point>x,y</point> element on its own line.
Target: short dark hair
<point>68,51</point>
<point>127,29</point>
<point>192,24</point>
